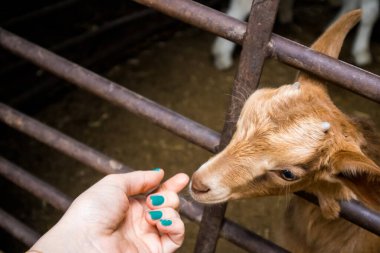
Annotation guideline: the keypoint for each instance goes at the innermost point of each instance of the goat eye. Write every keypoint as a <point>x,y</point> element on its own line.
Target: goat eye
<point>288,175</point>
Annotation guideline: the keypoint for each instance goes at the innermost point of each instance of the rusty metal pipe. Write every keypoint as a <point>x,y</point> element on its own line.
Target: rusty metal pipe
<point>59,141</point>
<point>33,184</point>
<point>18,229</point>
<point>348,76</point>
<point>284,50</point>
<point>200,16</point>
<point>353,211</point>
<point>261,20</point>
<point>116,94</point>
<point>245,239</point>
<point>86,36</point>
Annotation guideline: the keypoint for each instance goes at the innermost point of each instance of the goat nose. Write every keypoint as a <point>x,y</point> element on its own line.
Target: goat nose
<point>198,187</point>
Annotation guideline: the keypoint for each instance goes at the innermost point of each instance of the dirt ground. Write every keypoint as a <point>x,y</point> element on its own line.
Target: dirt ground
<point>178,74</point>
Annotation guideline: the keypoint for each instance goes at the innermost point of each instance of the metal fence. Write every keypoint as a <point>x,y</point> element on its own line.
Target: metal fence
<point>258,44</point>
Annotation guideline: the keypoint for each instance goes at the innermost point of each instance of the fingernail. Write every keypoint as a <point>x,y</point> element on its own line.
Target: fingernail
<point>157,200</point>
<point>166,222</point>
<point>156,169</point>
<point>155,215</point>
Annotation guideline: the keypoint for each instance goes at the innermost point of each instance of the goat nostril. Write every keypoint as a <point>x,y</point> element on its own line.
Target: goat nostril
<point>198,187</point>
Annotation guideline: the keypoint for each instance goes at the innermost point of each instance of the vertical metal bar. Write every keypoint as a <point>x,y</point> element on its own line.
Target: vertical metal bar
<point>257,36</point>
<point>254,52</point>
<point>18,229</point>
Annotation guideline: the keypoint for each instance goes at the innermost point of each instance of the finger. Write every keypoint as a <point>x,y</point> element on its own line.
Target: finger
<point>175,183</point>
<point>154,216</point>
<point>136,182</point>
<point>162,200</point>
<point>173,233</point>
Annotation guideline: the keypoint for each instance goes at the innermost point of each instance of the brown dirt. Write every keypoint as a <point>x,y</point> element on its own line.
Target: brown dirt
<point>177,74</point>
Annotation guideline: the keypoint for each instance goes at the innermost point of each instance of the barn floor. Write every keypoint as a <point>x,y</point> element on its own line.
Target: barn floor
<point>178,74</point>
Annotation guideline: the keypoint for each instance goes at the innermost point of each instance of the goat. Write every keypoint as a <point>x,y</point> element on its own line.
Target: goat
<point>222,49</point>
<point>294,138</point>
<point>361,47</point>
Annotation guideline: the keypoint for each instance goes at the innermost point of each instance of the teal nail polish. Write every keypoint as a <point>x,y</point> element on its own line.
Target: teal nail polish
<point>156,169</point>
<point>155,215</point>
<point>166,222</point>
<point>157,200</point>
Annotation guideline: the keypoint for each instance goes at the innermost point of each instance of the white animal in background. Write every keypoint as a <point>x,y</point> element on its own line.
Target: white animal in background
<point>361,48</point>
<point>222,49</point>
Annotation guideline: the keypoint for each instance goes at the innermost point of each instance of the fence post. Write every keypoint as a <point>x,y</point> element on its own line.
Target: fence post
<point>256,39</point>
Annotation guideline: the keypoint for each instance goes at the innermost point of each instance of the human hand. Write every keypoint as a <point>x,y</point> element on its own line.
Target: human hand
<point>105,218</point>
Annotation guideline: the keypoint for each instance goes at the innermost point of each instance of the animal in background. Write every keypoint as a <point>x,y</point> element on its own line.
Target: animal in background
<point>222,49</point>
<point>294,138</point>
<point>361,47</point>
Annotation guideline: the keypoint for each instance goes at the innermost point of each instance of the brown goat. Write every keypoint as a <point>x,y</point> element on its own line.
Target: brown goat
<point>294,138</point>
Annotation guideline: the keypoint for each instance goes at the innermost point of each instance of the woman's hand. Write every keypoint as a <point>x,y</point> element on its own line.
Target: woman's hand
<point>109,217</point>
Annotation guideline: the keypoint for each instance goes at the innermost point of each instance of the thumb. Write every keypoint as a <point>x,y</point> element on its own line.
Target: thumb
<point>139,182</point>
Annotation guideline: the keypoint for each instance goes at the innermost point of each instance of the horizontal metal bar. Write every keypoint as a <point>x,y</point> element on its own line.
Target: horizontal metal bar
<point>86,36</point>
<point>73,73</point>
<point>40,12</point>
<point>60,141</point>
<point>350,77</point>
<point>189,209</point>
<point>39,188</point>
<point>18,229</point>
<point>245,239</point>
<point>354,212</point>
<point>200,16</point>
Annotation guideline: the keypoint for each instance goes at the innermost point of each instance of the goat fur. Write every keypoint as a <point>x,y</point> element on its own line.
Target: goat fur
<point>285,129</point>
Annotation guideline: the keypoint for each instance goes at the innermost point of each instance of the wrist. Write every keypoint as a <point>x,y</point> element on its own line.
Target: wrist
<point>62,238</point>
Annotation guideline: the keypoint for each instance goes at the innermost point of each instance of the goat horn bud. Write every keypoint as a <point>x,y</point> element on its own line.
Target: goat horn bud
<point>297,85</point>
<point>325,126</point>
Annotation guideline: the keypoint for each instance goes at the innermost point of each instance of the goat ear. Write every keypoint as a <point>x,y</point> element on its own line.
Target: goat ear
<point>360,174</point>
<point>331,41</point>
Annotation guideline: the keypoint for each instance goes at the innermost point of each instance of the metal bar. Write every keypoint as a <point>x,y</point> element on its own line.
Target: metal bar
<point>251,61</point>
<point>42,11</point>
<point>189,209</point>
<point>350,77</point>
<point>33,184</point>
<point>245,239</point>
<point>353,211</point>
<point>200,16</point>
<point>18,229</point>
<point>210,226</point>
<point>252,57</point>
<point>59,141</point>
<point>86,36</point>
<point>73,73</point>
<point>231,231</point>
